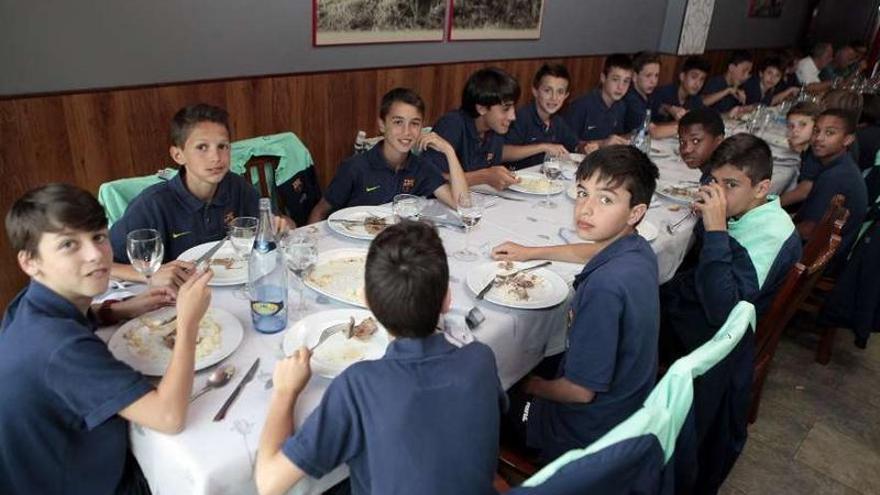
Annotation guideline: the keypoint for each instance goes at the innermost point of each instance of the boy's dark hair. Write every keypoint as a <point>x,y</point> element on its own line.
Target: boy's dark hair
<point>846,116</point>
<point>710,120</point>
<point>806,108</point>
<point>51,208</point>
<point>622,165</point>
<point>744,152</point>
<point>740,56</point>
<point>695,63</point>
<point>641,59</point>
<point>187,117</point>
<point>844,99</point>
<point>407,278</point>
<point>553,70</point>
<point>772,61</point>
<point>819,49</point>
<point>402,95</point>
<point>487,87</point>
<point>617,60</point>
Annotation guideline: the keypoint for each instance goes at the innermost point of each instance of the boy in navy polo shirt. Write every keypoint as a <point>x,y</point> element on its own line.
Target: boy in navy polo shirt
<point>672,101</point>
<point>723,93</point>
<point>746,244</point>
<point>422,419</point>
<point>765,87</point>
<point>538,130</point>
<point>66,400</point>
<point>801,120</point>
<point>598,116</point>
<point>610,363</point>
<point>646,75</point>
<point>196,205</point>
<point>389,168</point>
<point>839,174</point>
<point>700,131</point>
<point>476,130</point>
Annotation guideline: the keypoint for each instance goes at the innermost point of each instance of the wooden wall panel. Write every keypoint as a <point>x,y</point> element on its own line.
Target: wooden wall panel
<point>89,138</point>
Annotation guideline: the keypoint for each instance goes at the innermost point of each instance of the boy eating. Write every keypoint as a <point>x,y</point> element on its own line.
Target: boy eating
<point>672,101</point>
<point>422,419</point>
<point>598,116</point>
<point>66,400</point>
<point>390,167</point>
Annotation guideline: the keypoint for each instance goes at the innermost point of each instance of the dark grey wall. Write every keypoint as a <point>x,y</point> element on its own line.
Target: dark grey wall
<point>842,21</point>
<point>732,28</point>
<point>58,45</point>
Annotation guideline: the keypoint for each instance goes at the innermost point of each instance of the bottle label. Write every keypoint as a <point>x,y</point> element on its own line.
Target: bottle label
<point>265,308</point>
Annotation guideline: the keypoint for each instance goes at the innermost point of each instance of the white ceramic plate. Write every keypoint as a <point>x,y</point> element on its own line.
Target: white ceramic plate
<point>237,273</point>
<point>337,352</point>
<point>141,347</point>
<point>358,213</point>
<point>549,291</point>
<point>339,275</point>
<point>682,193</point>
<point>647,230</point>
<point>534,183</point>
<point>577,158</point>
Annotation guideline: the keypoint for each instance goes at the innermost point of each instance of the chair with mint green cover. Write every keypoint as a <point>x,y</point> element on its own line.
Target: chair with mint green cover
<point>115,195</point>
<point>647,453</point>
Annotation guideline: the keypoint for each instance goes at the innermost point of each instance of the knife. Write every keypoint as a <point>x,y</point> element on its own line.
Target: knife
<point>244,381</point>
<point>492,282</point>
<point>498,195</point>
<point>206,258</point>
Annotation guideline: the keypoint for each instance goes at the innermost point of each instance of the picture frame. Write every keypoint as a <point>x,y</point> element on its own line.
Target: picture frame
<point>347,22</point>
<point>495,19</point>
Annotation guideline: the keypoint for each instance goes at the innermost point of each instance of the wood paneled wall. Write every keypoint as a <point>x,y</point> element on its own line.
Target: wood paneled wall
<point>92,137</point>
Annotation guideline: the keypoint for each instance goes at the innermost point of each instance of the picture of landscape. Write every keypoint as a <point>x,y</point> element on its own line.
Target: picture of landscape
<point>340,22</point>
<point>496,19</point>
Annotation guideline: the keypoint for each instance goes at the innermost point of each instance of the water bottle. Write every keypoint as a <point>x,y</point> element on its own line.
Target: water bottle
<point>267,276</point>
<point>360,142</point>
<point>642,138</point>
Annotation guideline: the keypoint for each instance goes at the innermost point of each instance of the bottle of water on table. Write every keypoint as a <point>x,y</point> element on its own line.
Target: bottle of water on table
<point>267,275</point>
<point>641,139</point>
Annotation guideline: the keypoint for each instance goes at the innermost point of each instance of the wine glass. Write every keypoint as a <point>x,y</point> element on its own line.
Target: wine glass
<point>242,232</point>
<point>145,251</point>
<point>301,252</point>
<point>408,206</point>
<point>470,209</point>
<point>551,169</point>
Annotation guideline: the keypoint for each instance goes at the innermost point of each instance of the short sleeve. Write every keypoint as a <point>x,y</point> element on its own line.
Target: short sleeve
<point>516,135</point>
<point>817,201</point>
<point>91,382</point>
<point>592,354</point>
<point>331,435</point>
<point>452,133</point>
<point>429,179</point>
<point>567,137</point>
<point>339,192</point>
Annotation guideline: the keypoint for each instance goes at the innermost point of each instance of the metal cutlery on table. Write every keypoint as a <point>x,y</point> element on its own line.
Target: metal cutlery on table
<point>325,335</point>
<point>499,278</point>
<point>497,195</point>
<point>244,381</point>
<point>204,260</point>
<point>670,229</point>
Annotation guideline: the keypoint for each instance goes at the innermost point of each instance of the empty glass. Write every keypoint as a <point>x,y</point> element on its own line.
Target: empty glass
<point>145,251</point>
<point>470,209</point>
<point>408,206</point>
<point>301,252</point>
<point>551,169</point>
<point>242,232</point>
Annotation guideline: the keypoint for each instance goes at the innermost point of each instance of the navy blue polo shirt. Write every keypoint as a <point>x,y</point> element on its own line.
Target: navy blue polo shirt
<point>182,219</point>
<point>636,108</point>
<point>62,391</point>
<point>367,179</point>
<point>840,176</point>
<point>752,88</point>
<point>714,85</point>
<point>611,350</point>
<point>459,129</point>
<point>528,128</point>
<point>423,419</point>
<point>591,119</point>
<point>668,95</point>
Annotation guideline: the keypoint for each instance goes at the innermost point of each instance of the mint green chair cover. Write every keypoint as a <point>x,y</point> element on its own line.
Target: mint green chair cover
<point>115,195</point>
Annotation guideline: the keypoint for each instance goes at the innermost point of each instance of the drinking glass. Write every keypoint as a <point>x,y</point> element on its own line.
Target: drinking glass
<point>408,206</point>
<point>470,209</point>
<point>551,169</point>
<point>301,252</point>
<point>242,232</point>
<point>145,251</point>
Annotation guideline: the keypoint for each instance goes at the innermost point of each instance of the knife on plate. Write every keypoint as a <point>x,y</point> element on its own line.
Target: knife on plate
<point>488,286</point>
<point>202,262</point>
<point>244,381</point>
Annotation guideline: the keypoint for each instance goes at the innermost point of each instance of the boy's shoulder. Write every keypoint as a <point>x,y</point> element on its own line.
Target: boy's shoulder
<point>626,263</point>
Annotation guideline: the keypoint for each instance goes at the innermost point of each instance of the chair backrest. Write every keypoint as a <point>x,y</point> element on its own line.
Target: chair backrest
<point>260,170</point>
<point>115,195</point>
<point>834,219</point>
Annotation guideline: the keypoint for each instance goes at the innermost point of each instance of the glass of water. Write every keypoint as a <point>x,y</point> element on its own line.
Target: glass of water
<point>551,169</point>
<point>145,251</point>
<point>408,206</point>
<point>301,253</point>
<point>470,209</point>
<point>242,232</point>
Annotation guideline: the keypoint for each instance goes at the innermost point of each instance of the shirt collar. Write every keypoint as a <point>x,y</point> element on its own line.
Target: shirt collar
<point>469,125</point>
<point>415,348</point>
<point>221,197</point>
<point>53,303</point>
<point>597,95</point>
<point>635,93</point>
<point>625,243</point>
<point>536,119</point>
<point>377,160</point>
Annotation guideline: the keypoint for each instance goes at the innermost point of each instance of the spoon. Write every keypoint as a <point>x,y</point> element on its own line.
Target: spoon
<point>217,379</point>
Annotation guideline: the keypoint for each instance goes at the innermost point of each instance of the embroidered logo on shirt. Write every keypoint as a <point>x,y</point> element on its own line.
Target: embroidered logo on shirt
<point>371,189</point>
<point>590,127</point>
<point>489,157</point>
<point>297,185</point>
<point>175,235</point>
<point>408,184</point>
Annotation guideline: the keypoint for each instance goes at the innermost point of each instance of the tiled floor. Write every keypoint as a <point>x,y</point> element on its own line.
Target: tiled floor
<point>818,430</point>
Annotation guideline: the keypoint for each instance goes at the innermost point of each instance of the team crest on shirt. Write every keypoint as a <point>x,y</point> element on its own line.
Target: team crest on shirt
<point>297,185</point>
<point>489,157</point>
<point>408,184</point>
<point>228,217</point>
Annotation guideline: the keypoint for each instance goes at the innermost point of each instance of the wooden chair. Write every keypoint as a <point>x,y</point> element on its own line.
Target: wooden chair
<point>793,292</point>
<point>263,169</point>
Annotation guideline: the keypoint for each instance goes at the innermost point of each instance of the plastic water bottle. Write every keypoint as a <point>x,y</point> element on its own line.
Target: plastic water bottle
<point>360,142</point>
<point>267,276</point>
<point>642,138</point>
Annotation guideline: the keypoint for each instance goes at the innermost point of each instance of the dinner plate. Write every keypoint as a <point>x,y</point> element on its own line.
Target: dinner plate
<point>337,352</point>
<point>534,183</point>
<point>577,158</point>
<point>682,193</point>
<point>139,343</point>
<point>339,275</point>
<point>359,214</point>
<point>647,230</point>
<point>237,272</point>
<point>549,291</point>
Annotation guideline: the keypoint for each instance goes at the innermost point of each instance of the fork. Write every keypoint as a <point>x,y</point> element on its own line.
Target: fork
<point>331,331</point>
<point>672,228</point>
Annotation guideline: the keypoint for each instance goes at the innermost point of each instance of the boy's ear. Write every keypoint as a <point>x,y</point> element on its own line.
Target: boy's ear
<point>482,110</point>
<point>535,92</point>
<point>762,189</point>
<point>636,213</point>
<point>381,125</point>
<point>849,139</point>
<point>177,155</point>
<point>28,263</point>
<point>602,78</point>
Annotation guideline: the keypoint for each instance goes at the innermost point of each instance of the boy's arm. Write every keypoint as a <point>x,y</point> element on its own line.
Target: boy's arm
<point>275,472</point>
<point>457,184</point>
<point>164,409</point>
<point>559,390</point>
<point>710,99</point>
<point>320,212</point>
<point>798,194</point>
<point>664,130</point>
<point>172,274</point>
<point>514,152</point>
<point>497,177</point>
<point>784,95</point>
<point>579,252</point>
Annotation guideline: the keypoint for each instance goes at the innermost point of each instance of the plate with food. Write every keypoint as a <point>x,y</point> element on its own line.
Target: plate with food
<point>684,192</point>
<point>361,222</point>
<point>535,289</point>
<point>145,343</point>
<point>535,183</point>
<point>359,338</point>
<point>339,275</point>
<point>228,268</point>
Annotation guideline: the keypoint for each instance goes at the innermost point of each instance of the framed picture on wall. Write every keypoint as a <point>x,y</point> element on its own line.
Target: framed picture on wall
<point>344,22</point>
<point>765,8</point>
<point>495,19</point>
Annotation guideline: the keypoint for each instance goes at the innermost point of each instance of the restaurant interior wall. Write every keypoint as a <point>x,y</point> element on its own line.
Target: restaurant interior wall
<point>731,26</point>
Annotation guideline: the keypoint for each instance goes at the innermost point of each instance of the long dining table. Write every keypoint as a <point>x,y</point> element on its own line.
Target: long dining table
<point>214,458</point>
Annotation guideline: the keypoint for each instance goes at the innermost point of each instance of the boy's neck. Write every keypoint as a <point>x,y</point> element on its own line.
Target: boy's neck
<point>607,242</point>
<point>394,158</point>
<point>544,116</point>
<point>682,94</point>
<point>606,98</point>
<point>640,92</point>
<point>482,126</point>
<point>800,148</point>
<point>203,190</point>
<point>728,78</point>
<point>830,158</point>
<point>82,303</point>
